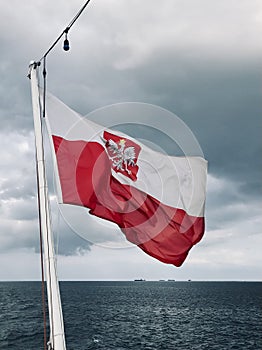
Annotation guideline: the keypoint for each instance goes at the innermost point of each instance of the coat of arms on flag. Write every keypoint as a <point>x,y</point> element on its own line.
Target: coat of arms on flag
<point>123,154</point>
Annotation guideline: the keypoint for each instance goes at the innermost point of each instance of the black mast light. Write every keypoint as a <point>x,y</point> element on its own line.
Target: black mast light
<point>66,46</point>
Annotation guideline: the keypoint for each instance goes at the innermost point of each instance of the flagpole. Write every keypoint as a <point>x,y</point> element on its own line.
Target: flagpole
<point>57,336</point>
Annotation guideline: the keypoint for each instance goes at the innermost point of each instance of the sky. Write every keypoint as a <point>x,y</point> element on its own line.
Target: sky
<point>200,60</point>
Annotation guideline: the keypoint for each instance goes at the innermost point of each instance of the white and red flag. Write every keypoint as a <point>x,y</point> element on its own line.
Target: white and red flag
<point>156,200</point>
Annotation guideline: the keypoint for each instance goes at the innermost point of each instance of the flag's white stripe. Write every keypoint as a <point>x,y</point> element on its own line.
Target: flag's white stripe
<point>175,181</point>
<point>179,182</point>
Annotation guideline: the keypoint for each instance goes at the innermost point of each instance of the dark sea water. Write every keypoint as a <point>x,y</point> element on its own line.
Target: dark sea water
<point>138,315</point>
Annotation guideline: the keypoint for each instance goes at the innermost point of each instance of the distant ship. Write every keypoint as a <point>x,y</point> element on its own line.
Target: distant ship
<point>139,280</point>
<point>169,280</point>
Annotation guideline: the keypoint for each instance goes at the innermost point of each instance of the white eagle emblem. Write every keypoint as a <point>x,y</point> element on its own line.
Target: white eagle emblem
<point>122,156</point>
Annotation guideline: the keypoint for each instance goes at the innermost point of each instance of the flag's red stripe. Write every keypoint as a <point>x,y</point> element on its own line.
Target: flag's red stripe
<point>163,232</point>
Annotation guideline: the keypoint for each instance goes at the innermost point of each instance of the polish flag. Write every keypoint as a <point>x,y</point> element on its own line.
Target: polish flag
<point>156,200</point>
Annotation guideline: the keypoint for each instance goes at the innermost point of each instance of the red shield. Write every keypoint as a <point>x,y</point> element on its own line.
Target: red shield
<point>123,154</point>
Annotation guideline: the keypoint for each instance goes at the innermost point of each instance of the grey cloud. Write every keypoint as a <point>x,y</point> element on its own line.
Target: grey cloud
<point>18,233</point>
<point>228,207</point>
<point>67,242</point>
<point>222,108</point>
<point>24,234</point>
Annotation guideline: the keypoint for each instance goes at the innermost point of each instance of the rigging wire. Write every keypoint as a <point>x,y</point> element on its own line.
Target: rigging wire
<point>44,90</point>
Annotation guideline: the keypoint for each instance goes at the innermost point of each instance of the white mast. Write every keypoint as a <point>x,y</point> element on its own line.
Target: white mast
<point>57,336</point>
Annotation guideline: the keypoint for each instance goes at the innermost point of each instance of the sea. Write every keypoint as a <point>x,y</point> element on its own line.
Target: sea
<point>164,315</point>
